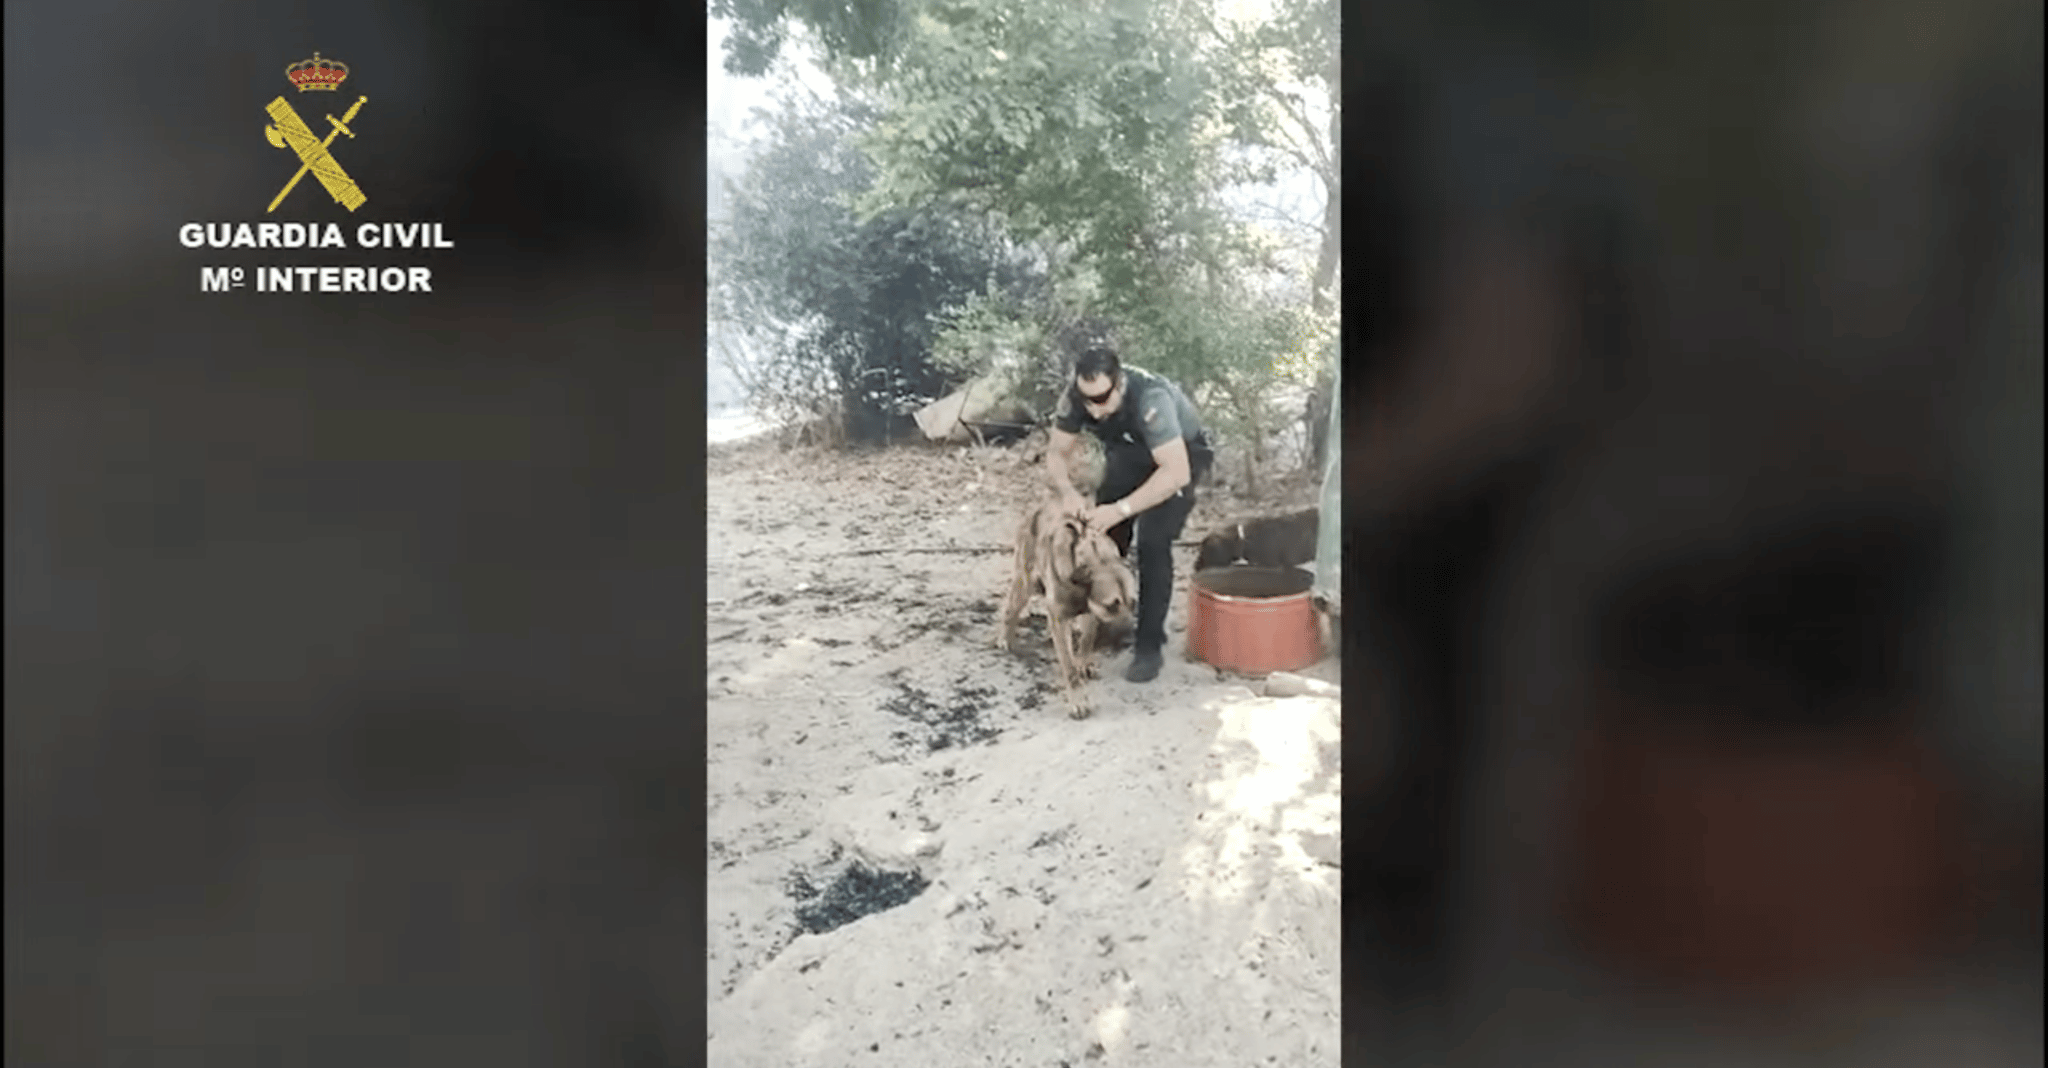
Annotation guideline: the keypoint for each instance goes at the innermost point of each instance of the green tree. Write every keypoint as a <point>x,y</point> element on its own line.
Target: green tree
<point>1285,74</point>
<point>855,30</point>
<point>1082,125</point>
<point>840,310</point>
<point>1104,133</point>
<point>1092,98</point>
<point>1092,126</point>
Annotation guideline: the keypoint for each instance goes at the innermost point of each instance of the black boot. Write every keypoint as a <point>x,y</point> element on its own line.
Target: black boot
<point>1145,665</point>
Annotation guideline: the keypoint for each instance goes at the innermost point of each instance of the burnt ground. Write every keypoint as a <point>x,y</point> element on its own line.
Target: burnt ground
<point>916,857</point>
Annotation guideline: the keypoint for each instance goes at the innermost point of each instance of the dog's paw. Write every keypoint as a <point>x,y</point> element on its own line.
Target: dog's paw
<point>1079,708</point>
<point>1091,670</point>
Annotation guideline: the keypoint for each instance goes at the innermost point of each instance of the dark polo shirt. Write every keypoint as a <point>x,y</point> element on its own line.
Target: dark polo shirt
<point>1154,412</point>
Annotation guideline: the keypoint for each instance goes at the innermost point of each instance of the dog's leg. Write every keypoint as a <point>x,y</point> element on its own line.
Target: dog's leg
<point>1084,648</point>
<point>1063,650</point>
<point>1019,596</point>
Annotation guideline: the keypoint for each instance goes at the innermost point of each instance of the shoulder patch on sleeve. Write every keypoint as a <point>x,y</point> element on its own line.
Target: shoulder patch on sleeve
<point>1151,415</point>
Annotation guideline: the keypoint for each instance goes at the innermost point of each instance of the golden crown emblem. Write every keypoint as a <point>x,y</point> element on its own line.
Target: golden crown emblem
<point>317,73</point>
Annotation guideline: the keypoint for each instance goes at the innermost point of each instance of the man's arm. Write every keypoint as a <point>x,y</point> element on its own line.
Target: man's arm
<point>1170,470</point>
<point>1167,478</point>
<point>1059,456</point>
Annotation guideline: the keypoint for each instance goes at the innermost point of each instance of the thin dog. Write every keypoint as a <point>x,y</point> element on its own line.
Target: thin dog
<point>1085,583</point>
<point>1275,541</point>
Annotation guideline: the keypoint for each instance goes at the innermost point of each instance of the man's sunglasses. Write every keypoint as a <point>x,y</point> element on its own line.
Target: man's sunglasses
<point>1102,398</point>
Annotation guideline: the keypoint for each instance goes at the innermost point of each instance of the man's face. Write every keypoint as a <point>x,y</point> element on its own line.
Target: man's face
<point>1102,395</point>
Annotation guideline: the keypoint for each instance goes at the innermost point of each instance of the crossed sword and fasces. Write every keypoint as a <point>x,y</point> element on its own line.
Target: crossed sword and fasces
<point>312,152</point>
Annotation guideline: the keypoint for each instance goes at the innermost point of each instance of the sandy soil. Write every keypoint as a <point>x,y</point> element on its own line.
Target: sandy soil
<point>1157,885</point>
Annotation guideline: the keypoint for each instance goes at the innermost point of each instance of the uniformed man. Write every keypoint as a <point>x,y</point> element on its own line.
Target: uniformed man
<point>1154,452</point>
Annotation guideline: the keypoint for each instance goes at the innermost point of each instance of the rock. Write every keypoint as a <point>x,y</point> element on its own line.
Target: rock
<point>1324,848</point>
<point>1287,684</point>
<point>978,402</point>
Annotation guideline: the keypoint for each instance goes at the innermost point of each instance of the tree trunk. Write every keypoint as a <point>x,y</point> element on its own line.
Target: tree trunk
<point>1318,413</point>
<point>1323,284</point>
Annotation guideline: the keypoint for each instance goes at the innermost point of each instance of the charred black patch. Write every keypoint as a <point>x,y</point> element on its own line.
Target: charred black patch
<point>853,892</point>
<point>959,720</point>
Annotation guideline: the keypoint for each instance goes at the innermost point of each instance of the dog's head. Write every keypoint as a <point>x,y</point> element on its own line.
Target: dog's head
<point>1100,569</point>
<point>1220,549</point>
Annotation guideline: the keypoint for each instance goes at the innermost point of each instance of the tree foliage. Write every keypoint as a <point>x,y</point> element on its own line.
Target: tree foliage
<point>1104,134</point>
<point>1285,78</point>
<point>1101,130</point>
<point>1085,125</point>
<point>1279,71</point>
<point>840,310</point>
<point>1095,126</point>
<point>857,30</point>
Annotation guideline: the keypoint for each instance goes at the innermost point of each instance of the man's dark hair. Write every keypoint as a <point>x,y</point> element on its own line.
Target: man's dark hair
<point>1092,345</point>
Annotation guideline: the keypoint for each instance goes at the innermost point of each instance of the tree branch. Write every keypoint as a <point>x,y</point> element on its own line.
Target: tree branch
<point>1297,111</point>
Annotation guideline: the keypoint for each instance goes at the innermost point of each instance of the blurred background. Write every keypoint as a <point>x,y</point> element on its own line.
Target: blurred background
<point>1694,509</point>
<point>1694,489</point>
<point>350,637</point>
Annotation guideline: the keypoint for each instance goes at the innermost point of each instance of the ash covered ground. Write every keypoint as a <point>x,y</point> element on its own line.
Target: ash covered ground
<point>915,857</point>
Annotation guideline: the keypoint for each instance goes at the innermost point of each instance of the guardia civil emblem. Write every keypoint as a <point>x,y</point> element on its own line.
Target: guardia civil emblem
<point>287,130</point>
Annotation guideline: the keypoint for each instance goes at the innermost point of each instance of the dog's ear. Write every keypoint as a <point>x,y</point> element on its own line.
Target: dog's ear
<point>1077,536</point>
<point>1064,541</point>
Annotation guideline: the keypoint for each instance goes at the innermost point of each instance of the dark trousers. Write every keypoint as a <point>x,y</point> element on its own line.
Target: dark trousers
<point>1126,467</point>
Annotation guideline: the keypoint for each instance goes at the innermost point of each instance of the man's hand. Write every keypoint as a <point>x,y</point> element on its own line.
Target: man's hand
<point>1105,516</point>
